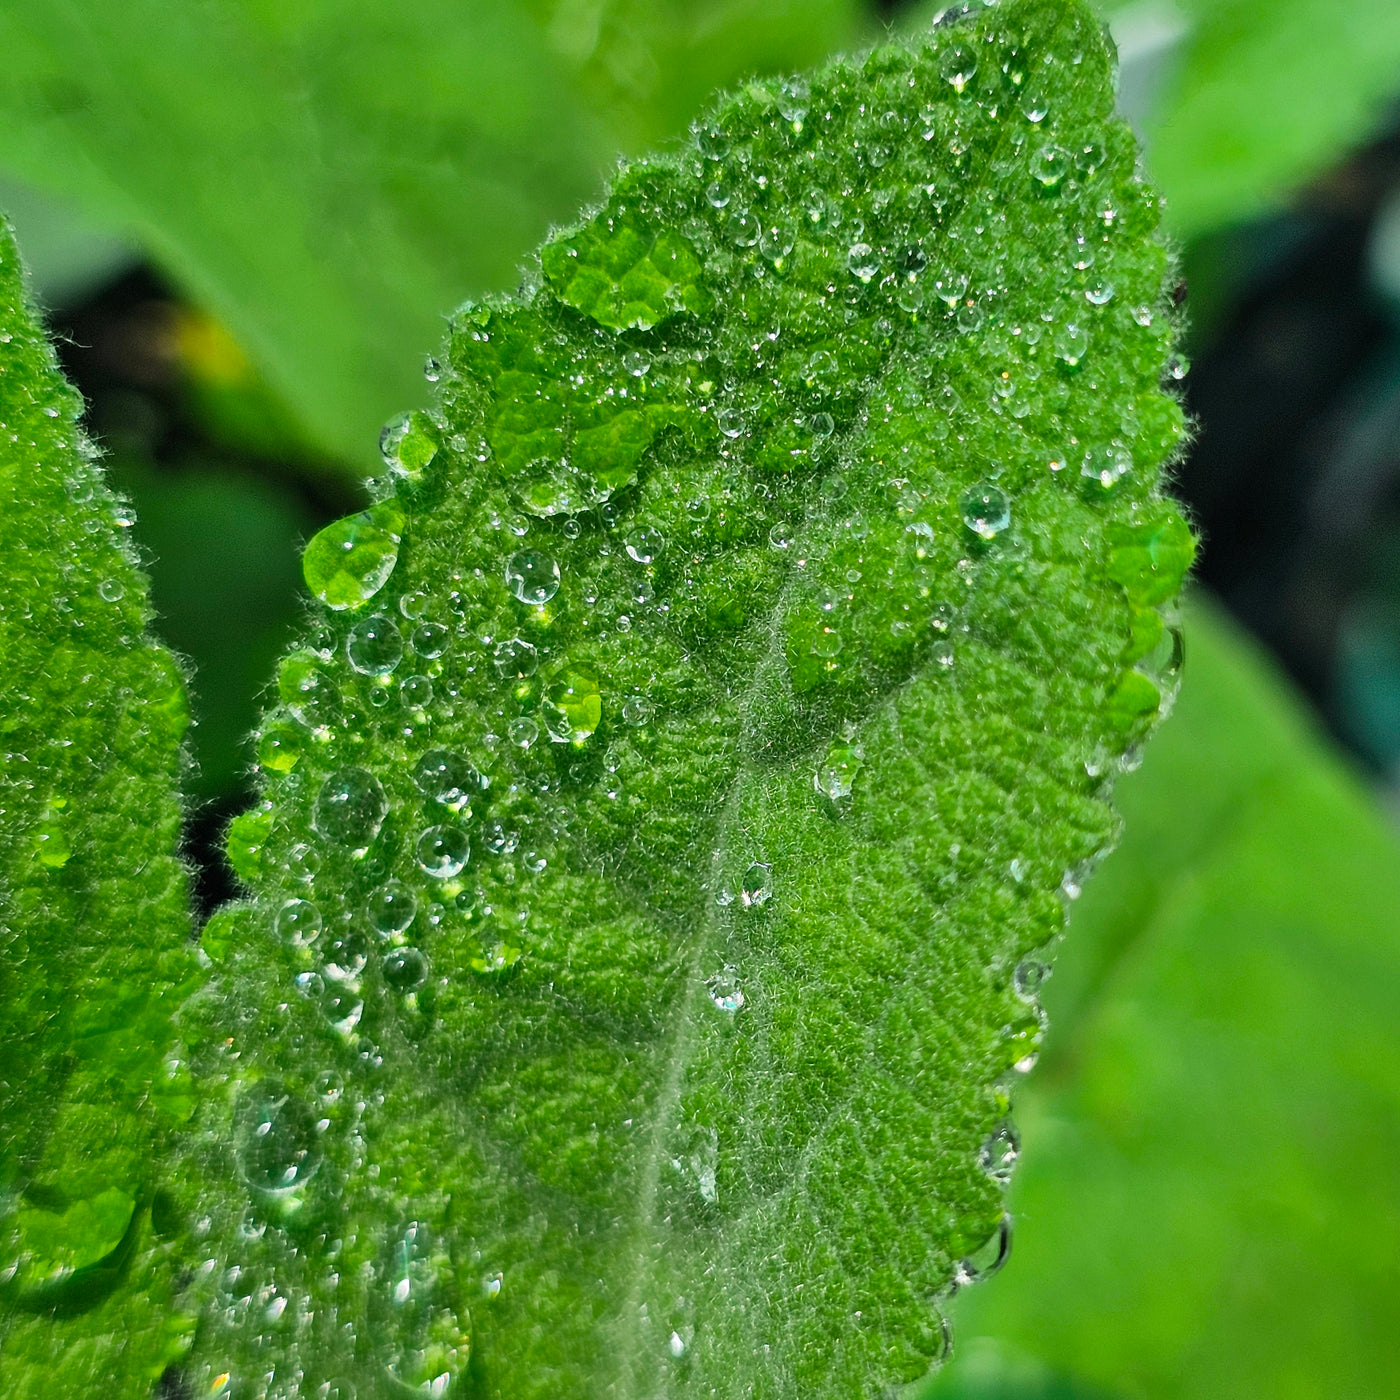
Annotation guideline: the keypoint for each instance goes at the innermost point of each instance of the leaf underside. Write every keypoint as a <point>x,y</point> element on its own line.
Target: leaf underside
<point>94,915</point>
<point>665,822</point>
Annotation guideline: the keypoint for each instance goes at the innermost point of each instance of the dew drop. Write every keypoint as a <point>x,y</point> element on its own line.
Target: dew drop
<point>442,851</point>
<point>416,691</point>
<point>279,748</point>
<point>409,442</point>
<point>275,1138</point>
<point>430,640</point>
<point>446,777</point>
<point>391,908</point>
<point>637,710</point>
<point>298,921</point>
<point>999,1153</point>
<point>725,991</point>
<point>1071,345</point>
<point>374,646</point>
<point>573,706</point>
<point>836,773</point>
<point>1050,165</point>
<point>111,590</point>
<point>645,543</point>
<point>958,67</point>
<point>350,808</point>
<point>757,887</point>
<point>349,561</point>
<point>862,261</point>
<point>405,969</point>
<point>986,511</point>
<point>532,577</point>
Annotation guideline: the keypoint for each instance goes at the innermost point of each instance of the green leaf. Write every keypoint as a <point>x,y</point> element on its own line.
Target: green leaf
<point>327,177</point>
<point>629,988</point>
<point>94,921</point>
<point>1216,1109</point>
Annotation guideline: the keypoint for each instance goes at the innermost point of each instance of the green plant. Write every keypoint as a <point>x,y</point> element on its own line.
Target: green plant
<point>727,674</point>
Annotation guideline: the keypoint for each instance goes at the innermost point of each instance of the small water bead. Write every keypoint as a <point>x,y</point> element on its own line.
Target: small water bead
<point>637,711</point>
<point>350,808</point>
<point>344,955</point>
<point>757,887</point>
<point>717,194</point>
<point>645,543</point>
<point>725,991</point>
<point>1099,294</point>
<point>532,577</point>
<point>1049,166</point>
<point>1071,345</point>
<point>374,646</point>
<point>776,242</point>
<point>826,643</point>
<point>863,261</point>
<point>111,590</point>
<point>837,772</point>
<point>951,287</point>
<point>391,908</point>
<point>1105,467</point>
<point>821,425</point>
<point>447,777</point>
<point>1089,158</point>
<point>794,99</point>
<point>432,369</point>
<point>303,861</point>
<point>712,141</point>
<point>279,748</point>
<point>998,1154</point>
<point>1035,108</point>
<point>1030,976</point>
<point>730,422</point>
<point>442,851</point>
<point>637,363</point>
<point>1143,315</point>
<point>958,66</point>
<point>743,227</point>
<point>343,1007</point>
<point>409,443</point>
<point>404,969</point>
<point>299,922</point>
<point>275,1138</point>
<point>307,690</point>
<point>430,640</point>
<point>986,511</point>
<point>416,691</point>
<point>515,659</point>
<point>349,561</point>
<point>522,732</point>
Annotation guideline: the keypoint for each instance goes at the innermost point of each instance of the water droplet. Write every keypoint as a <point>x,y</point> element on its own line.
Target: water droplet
<point>1030,977</point>
<point>986,511</point>
<point>836,773</point>
<point>374,646</point>
<point>349,561</point>
<point>730,422</point>
<point>725,991</point>
<point>757,887</point>
<point>111,590</point>
<point>574,706</point>
<point>307,690</point>
<point>958,66</point>
<point>1105,467</point>
<point>862,261</point>
<point>405,969</point>
<point>432,369</point>
<point>299,922</point>
<point>1050,165</point>
<point>676,1345</point>
<point>999,1153</point>
<point>416,691</point>
<point>515,659</point>
<point>391,908</point>
<point>409,443</point>
<point>713,141</point>
<point>645,543</point>
<point>743,227</point>
<point>637,710</point>
<point>1071,345</point>
<point>350,808</point>
<point>794,99</point>
<point>1099,294</point>
<point>442,851</point>
<point>636,363</point>
<point>523,732</point>
<point>279,748</point>
<point>430,640</point>
<point>776,242</point>
<point>447,777</point>
<point>275,1138</point>
<point>532,577</point>
<point>951,287</point>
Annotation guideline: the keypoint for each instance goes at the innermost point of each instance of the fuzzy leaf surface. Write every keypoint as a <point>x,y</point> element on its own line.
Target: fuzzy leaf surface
<point>629,994</point>
<point>94,921</point>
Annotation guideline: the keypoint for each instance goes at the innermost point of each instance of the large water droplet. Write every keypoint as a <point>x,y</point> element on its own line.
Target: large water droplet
<point>350,808</point>
<point>725,990</point>
<point>409,443</point>
<point>405,969</point>
<point>532,577</point>
<point>299,922</point>
<point>757,887</point>
<point>574,706</point>
<point>279,748</point>
<point>374,646</point>
<point>836,773</point>
<point>349,561</point>
<point>515,659</point>
<point>275,1138</point>
<point>391,908</point>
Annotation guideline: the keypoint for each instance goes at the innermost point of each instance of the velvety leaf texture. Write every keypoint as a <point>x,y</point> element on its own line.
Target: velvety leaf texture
<point>94,921</point>
<point>663,826</point>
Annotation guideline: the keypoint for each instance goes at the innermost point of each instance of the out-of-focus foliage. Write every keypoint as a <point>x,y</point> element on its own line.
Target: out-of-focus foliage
<point>1207,1197</point>
<point>330,177</point>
